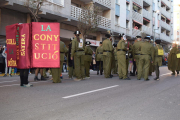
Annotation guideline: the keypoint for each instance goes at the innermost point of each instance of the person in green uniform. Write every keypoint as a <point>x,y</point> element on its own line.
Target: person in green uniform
<point>56,72</point>
<point>173,60</point>
<point>87,58</point>
<point>77,52</point>
<point>115,69</point>
<point>152,66</point>
<point>158,58</point>
<point>128,53</point>
<point>107,54</point>
<point>70,62</point>
<point>112,59</point>
<point>147,55</point>
<point>99,59</point>
<point>44,73</point>
<point>136,52</point>
<point>121,57</point>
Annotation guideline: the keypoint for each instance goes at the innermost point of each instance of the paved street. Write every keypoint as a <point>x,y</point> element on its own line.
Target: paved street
<point>94,99</point>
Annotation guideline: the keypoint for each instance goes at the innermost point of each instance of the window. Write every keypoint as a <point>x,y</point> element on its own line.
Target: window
<point>117,20</point>
<point>117,10</point>
<point>153,6</point>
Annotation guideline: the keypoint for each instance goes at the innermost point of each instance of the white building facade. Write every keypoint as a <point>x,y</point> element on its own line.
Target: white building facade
<point>131,17</point>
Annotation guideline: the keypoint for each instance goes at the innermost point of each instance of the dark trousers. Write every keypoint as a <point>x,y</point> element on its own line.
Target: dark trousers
<point>134,67</point>
<point>157,71</point>
<point>99,66</point>
<point>24,76</point>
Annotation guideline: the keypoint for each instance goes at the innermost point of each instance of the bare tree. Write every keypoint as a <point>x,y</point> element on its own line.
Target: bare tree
<point>34,7</point>
<point>89,19</point>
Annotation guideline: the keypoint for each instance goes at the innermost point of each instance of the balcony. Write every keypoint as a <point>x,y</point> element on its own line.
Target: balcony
<point>105,3</point>
<point>76,13</point>
<point>139,2</point>
<point>147,30</point>
<point>128,32</point>
<point>168,3</point>
<point>147,14</point>
<point>127,14</point>
<point>165,37</point>
<point>165,25</point>
<point>165,13</point>
<point>137,17</point>
<point>136,32</point>
<point>119,29</point>
<point>148,2</point>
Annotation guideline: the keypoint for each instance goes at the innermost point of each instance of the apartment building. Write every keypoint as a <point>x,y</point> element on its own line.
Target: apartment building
<point>131,17</point>
<point>177,22</point>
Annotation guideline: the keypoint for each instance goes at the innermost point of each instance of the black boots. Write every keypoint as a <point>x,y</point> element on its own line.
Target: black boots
<point>42,78</point>
<point>36,78</point>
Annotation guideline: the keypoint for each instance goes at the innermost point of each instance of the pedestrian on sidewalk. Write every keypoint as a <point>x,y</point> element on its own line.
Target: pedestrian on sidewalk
<point>4,54</point>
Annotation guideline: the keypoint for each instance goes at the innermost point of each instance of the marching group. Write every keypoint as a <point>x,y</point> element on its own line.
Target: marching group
<point>145,57</point>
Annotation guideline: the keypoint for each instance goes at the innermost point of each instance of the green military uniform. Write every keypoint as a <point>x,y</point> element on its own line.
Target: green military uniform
<point>87,59</point>
<point>128,53</point>
<point>121,56</point>
<point>147,54</point>
<point>99,59</point>
<point>136,52</point>
<point>44,73</point>
<point>115,68</point>
<point>78,53</point>
<point>107,54</point>
<point>70,62</point>
<point>56,72</point>
<point>152,67</point>
<point>158,60</point>
<point>173,60</point>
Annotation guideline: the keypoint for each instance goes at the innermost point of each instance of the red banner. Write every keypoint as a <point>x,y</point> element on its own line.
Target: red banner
<point>24,46</point>
<point>12,39</point>
<point>45,45</point>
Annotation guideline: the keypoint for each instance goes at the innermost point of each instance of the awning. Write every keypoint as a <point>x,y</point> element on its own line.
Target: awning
<point>137,5</point>
<point>146,20</point>
<point>127,2</point>
<point>137,22</point>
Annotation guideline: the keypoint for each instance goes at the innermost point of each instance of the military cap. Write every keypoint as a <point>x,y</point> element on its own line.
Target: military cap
<point>77,32</point>
<point>138,36</point>
<point>115,45</point>
<point>147,38</point>
<point>108,35</point>
<point>100,42</point>
<point>88,43</point>
<point>158,41</point>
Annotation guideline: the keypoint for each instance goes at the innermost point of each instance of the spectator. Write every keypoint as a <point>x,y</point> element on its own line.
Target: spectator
<point>4,54</point>
<point>1,59</point>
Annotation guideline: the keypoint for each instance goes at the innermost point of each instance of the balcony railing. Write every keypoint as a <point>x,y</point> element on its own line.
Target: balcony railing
<point>168,3</point>
<point>148,1</point>
<point>120,29</point>
<point>139,2</point>
<point>165,13</point>
<point>165,25</point>
<point>136,32</point>
<point>106,3</point>
<point>165,37</point>
<point>137,17</point>
<point>127,14</point>
<point>76,12</point>
<point>147,30</point>
<point>127,31</point>
<point>147,14</point>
